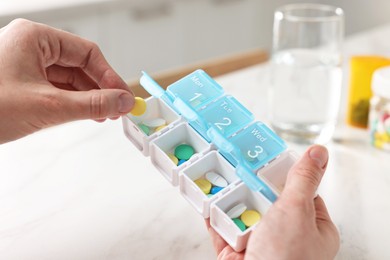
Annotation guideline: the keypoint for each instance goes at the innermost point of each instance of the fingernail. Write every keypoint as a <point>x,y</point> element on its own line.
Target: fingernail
<point>126,102</point>
<point>320,155</point>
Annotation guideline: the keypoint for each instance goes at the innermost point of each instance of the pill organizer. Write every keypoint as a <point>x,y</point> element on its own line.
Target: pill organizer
<point>226,139</point>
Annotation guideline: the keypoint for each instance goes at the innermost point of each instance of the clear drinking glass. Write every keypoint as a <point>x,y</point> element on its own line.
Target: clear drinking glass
<point>305,85</point>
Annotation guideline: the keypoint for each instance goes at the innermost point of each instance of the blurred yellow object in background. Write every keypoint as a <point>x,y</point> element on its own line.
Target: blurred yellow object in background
<point>362,69</point>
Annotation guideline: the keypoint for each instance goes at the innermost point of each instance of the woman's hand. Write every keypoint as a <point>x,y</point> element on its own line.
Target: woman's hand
<point>296,226</point>
<point>49,77</point>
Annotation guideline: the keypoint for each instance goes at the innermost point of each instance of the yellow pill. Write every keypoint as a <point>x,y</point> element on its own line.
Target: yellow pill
<point>139,107</point>
<point>204,185</point>
<point>250,217</point>
<point>173,158</point>
<point>159,128</point>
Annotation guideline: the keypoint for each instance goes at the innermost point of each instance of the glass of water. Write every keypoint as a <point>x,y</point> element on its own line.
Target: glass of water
<point>306,77</point>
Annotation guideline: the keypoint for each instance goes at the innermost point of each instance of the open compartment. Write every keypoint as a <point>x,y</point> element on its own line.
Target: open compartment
<point>275,173</point>
<point>224,225</point>
<point>165,144</point>
<point>140,134</point>
<point>211,162</point>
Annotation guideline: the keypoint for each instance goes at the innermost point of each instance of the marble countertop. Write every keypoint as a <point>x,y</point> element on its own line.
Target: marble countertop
<point>83,191</point>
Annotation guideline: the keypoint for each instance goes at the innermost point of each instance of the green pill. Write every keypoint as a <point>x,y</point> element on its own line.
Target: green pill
<point>184,151</point>
<point>239,224</point>
<point>144,129</point>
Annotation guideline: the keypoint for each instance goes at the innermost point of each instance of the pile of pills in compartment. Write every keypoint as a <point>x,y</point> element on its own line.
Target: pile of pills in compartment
<point>148,126</point>
<point>212,183</point>
<point>182,153</point>
<point>243,217</point>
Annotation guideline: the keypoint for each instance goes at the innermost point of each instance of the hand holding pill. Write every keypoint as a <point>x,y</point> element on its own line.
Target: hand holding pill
<point>70,80</point>
<point>139,107</point>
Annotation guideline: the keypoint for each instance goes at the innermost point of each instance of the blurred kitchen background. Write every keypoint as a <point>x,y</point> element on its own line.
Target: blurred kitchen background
<point>156,35</point>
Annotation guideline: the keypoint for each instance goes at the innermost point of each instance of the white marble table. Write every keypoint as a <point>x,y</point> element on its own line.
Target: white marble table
<point>83,191</point>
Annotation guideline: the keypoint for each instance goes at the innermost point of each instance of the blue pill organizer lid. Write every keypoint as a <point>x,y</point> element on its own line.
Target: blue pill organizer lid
<point>195,90</point>
<point>257,145</point>
<point>225,114</point>
<point>200,99</point>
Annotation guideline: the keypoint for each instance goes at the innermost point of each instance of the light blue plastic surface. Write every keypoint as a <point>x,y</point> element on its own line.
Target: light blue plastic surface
<point>257,145</point>
<point>196,89</point>
<point>226,114</point>
<point>151,86</point>
<point>154,89</point>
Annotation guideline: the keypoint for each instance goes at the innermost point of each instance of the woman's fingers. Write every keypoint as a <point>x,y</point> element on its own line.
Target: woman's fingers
<point>71,76</point>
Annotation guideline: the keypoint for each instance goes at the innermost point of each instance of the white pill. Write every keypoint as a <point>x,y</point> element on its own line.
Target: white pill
<point>236,211</point>
<point>154,122</point>
<point>216,179</point>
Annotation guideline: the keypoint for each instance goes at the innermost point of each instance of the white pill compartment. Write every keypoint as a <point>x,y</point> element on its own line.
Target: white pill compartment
<point>212,161</point>
<point>167,142</point>
<point>155,108</point>
<point>225,226</point>
<point>275,173</point>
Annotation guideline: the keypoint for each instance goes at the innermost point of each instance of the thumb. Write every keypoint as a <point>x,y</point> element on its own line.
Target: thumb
<point>305,176</point>
<point>96,103</point>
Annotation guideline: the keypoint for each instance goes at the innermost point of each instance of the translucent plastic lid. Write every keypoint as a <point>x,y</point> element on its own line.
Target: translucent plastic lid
<point>226,114</point>
<point>199,99</point>
<point>381,82</point>
<point>196,89</point>
<point>255,145</point>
